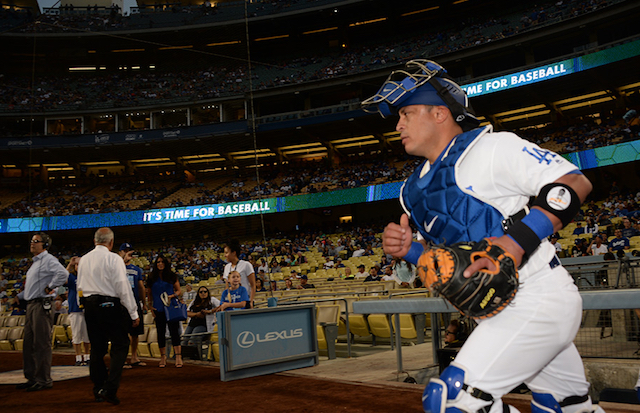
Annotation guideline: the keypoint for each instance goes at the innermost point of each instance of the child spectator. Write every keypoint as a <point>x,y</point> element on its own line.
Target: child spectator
<point>236,296</point>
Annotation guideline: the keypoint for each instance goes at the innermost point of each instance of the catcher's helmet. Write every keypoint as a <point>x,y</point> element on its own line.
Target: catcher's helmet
<point>424,82</point>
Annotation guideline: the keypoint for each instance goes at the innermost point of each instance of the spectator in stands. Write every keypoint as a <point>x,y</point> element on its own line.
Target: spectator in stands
<point>304,284</point>
<point>591,227</point>
<point>189,295</point>
<point>288,284</point>
<point>295,275</point>
<point>579,229</point>
<point>163,280</point>
<point>388,273</point>
<point>5,304</point>
<point>619,243</point>
<point>580,248</point>
<point>405,271</point>
<point>202,317</point>
<point>347,274</point>
<point>264,267</point>
<point>273,285</point>
<point>260,285</point>
<point>361,273</point>
<point>274,265</point>
<point>373,275</point>
<point>328,264</point>
<point>554,241</point>
<point>628,231</point>
<point>359,252</point>
<point>597,246</point>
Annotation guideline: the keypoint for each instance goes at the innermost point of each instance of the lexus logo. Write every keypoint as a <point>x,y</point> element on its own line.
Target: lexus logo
<point>247,339</point>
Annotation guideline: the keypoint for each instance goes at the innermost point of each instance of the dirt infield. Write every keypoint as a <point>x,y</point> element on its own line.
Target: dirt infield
<point>198,387</point>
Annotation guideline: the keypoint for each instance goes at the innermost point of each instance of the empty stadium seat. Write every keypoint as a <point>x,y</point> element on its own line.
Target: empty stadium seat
<point>13,335</point>
<point>407,326</point>
<point>12,321</point>
<point>144,345</point>
<point>379,325</point>
<point>59,336</point>
<point>327,319</point>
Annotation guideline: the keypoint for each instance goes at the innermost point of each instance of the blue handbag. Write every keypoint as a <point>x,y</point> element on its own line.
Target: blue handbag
<point>175,311</point>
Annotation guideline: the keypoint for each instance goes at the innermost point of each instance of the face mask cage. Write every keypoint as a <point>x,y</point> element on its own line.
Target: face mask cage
<point>400,84</point>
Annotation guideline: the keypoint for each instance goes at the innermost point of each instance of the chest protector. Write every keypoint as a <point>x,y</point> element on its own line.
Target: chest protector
<point>443,213</point>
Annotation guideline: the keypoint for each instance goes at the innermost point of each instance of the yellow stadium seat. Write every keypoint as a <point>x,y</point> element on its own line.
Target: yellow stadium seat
<point>407,326</point>
<point>150,336</point>
<point>379,325</point>
<point>327,319</point>
<point>59,336</point>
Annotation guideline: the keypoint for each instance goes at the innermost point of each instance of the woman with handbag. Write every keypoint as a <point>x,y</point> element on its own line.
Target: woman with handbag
<point>163,280</point>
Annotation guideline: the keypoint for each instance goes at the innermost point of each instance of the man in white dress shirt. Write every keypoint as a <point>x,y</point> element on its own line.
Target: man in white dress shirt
<point>109,308</point>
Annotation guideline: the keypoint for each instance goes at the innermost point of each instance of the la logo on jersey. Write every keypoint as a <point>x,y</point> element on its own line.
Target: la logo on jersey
<point>559,198</point>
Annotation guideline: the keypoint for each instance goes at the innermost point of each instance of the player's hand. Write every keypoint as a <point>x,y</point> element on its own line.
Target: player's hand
<point>397,238</point>
<point>136,322</point>
<point>508,245</point>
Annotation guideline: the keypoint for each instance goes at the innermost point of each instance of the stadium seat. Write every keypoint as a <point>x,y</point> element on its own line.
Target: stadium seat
<point>12,321</point>
<point>59,336</point>
<point>14,335</point>
<point>144,345</point>
<point>379,325</point>
<point>155,350</point>
<point>148,318</point>
<point>407,326</point>
<point>327,319</point>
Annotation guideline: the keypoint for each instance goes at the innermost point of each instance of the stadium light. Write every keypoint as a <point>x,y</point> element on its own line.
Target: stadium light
<point>328,29</point>
<point>420,11</point>
<point>368,22</point>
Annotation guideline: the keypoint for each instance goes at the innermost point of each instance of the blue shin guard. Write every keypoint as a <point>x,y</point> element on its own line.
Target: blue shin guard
<point>438,391</point>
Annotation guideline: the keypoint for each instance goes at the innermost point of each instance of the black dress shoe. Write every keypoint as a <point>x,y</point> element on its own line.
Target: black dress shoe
<point>110,398</point>
<point>38,387</point>
<point>26,385</point>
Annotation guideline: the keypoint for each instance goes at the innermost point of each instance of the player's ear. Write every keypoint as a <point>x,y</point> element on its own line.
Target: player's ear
<point>441,113</point>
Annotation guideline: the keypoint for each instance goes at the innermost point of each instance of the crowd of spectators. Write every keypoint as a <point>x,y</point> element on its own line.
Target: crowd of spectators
<point>298,177</point>
<point>582,134</point>
<point>595,228</point>
<point>190,263</point>
<point>309,177</point>
<point>113,90</point>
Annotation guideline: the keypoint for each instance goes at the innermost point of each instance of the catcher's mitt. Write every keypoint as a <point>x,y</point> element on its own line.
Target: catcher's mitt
<point>482,295</point>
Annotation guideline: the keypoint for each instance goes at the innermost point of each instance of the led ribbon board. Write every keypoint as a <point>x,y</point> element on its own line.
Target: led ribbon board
<point>553,70</point>
<point>203,212</point>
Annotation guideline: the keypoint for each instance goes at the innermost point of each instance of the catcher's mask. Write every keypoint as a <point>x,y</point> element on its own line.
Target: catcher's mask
<point>423,82</point>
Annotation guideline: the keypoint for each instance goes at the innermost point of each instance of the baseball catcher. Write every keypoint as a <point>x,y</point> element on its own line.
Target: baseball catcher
<point>469,203</point>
